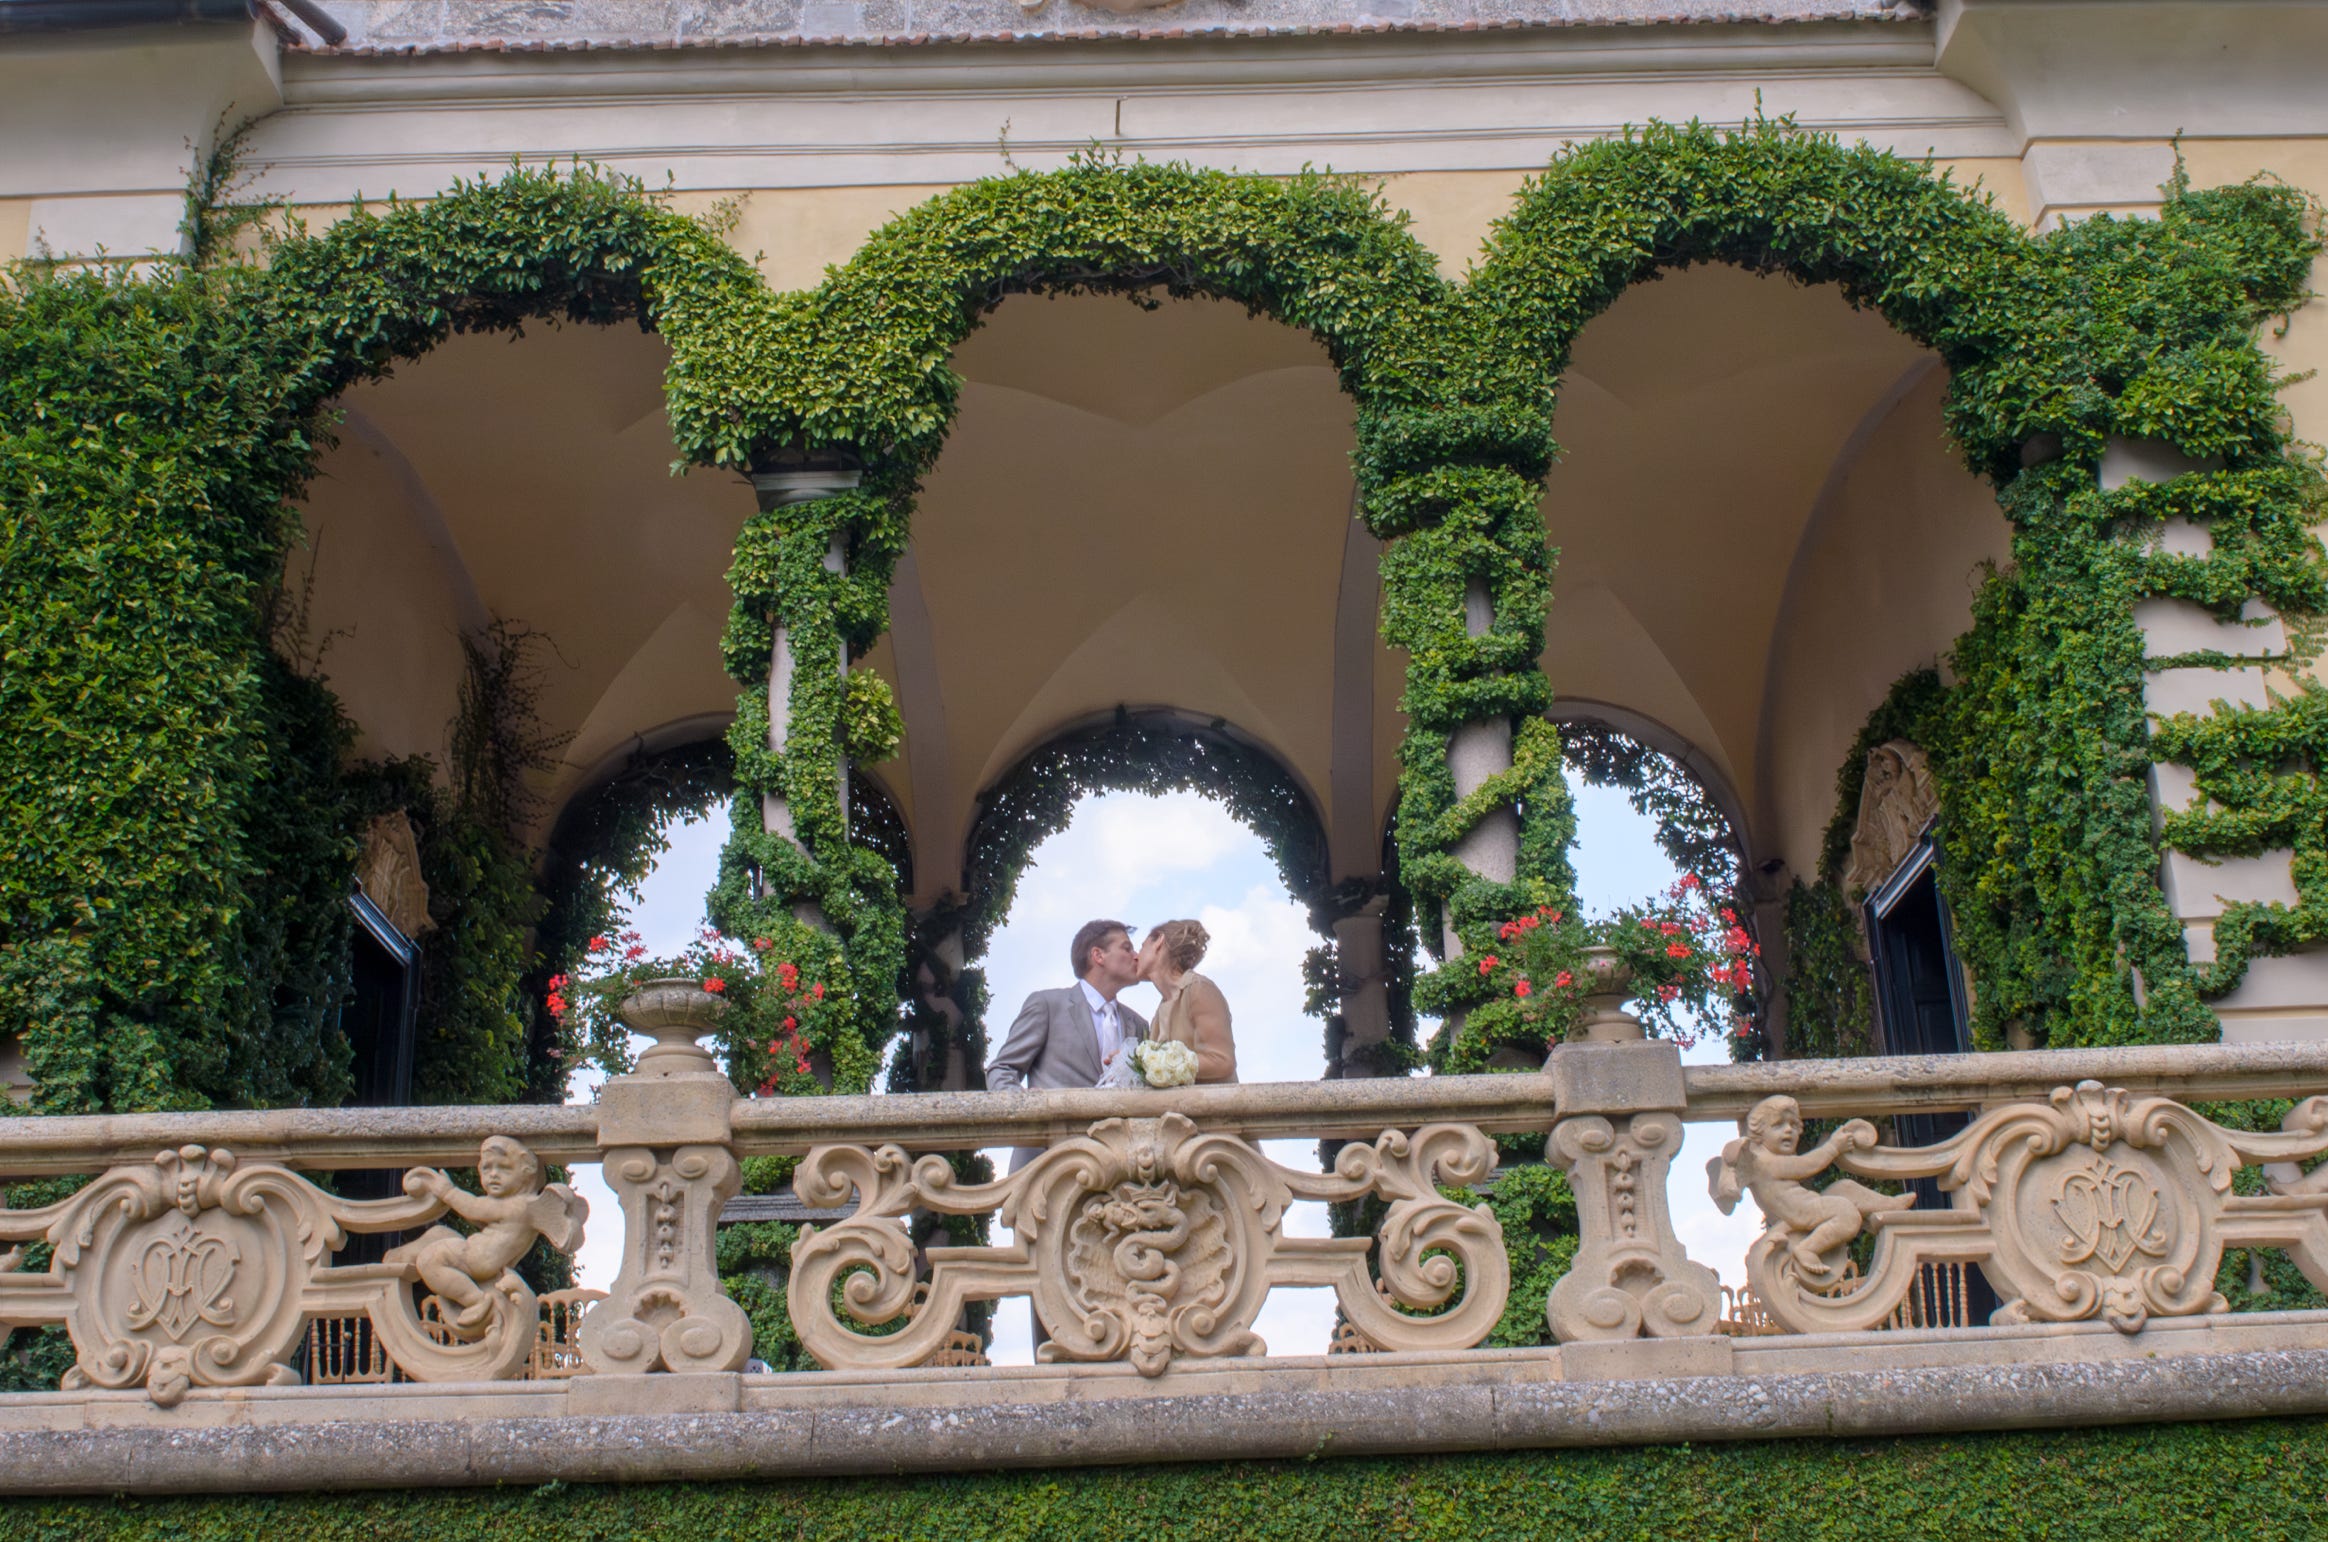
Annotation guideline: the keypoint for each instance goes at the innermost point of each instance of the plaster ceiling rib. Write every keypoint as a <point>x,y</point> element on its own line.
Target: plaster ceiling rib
<point>934,827</point>
<point>1814,530</point>
<point>428,516</point>
<point>1353,831</point>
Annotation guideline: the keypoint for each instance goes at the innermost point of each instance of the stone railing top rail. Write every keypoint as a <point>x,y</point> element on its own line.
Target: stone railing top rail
<point>324,1139</point>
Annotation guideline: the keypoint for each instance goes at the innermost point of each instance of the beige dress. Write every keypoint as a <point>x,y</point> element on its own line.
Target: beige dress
<point>1197,1014</point>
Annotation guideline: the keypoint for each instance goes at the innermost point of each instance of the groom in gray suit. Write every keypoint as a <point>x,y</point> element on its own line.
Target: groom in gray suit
<point>1065,1037</point>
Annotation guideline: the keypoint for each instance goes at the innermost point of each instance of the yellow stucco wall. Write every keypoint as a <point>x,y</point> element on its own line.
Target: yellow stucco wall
<point>15,227</point>
<point>796,233</point>
<point>2303,347</point>
<point>1883,583</point>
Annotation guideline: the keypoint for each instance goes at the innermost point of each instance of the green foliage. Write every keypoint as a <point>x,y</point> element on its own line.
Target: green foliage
<point>1830,996</point>
<point>1533,1204</point>
<point>164,814</point>
<point>2258,1481</point>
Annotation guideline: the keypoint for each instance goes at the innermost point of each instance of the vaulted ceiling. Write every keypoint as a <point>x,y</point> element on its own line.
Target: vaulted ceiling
<point>1153,508</point>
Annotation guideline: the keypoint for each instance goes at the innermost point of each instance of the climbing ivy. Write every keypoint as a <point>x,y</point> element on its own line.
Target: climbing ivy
<point>166,805</point>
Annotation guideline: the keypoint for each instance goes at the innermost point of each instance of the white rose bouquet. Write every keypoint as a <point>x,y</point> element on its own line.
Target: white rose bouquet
<point>1164,1063</point>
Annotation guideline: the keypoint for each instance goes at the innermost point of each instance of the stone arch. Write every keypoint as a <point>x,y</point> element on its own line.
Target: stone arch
<point>1129,750</point>
<point>1285,248</point>
<point>1890,235</point>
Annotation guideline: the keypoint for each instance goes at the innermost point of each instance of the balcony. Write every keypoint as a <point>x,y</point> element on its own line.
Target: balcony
<point>221,1348</point>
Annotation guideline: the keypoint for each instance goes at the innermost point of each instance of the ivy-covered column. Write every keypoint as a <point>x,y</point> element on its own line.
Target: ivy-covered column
<point>779,490</point>
<point>1478,752</point>
<point>1484,822</point>
<point>811,580</point>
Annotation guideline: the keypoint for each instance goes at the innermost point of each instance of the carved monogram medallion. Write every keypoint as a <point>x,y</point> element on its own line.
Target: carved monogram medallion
<point>2093,1204</point>
<point>1147,1240</point>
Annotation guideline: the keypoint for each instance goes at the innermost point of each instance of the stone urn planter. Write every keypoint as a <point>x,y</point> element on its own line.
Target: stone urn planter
<point>1605,1019</point>
<point>674,1013</point>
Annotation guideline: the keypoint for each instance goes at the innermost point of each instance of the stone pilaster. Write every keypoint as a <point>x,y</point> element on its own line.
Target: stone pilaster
<point>664,1137</point>
<point>2280,998</point>
<point>1619,1110</point>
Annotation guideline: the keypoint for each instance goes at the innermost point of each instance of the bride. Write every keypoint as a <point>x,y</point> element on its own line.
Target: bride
<point>1193,1012</point>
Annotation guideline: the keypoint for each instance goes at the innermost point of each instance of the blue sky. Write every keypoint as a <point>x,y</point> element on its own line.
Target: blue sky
<point>1149,859</point>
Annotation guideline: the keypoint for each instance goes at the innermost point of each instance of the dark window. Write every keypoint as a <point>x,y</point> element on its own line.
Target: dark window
<point>1921,1010</point>
<point>379,1019</point>
<point>1919,987</point>
<point>383,999</point>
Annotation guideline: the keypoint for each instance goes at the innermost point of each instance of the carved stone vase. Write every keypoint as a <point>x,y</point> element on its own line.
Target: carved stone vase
<point>674,1013</point>
<point>1605,1019</point>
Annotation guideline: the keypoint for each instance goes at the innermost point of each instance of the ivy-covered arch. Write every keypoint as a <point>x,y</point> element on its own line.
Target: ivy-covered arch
<point>868,387</point>
<point>1150,750</point>
<point>170,927</point>
<point>2058,345</point>
<point>166,794</point>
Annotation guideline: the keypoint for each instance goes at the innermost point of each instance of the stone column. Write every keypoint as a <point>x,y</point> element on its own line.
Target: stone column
<point>1475,752</point>
<point>777,490</point>
<point>664,1138</point>
<point>934,979</point>
<point>2280,998</point>
<point>1364,996</point>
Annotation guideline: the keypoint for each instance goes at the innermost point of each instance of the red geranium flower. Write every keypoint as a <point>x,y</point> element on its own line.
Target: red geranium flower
<point>763,943</point>
<point>1487,964</point>
<point>1677,950</point>
<point>1521,988</point>
<point>598,944</point>
<point>1564,979</point>
<point>714,984</point>
<point>816,993</point>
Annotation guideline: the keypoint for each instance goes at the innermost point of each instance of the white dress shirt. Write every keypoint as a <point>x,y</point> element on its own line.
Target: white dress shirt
<point>1104,1022</point>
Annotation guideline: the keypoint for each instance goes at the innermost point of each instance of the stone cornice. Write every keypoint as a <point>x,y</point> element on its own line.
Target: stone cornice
<point>751,118</point>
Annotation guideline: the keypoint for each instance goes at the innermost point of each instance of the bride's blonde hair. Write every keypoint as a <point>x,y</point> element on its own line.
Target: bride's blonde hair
<point>1184,943</point>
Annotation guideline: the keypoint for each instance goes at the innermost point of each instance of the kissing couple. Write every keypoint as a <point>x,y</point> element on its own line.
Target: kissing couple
<point>1074,1035</point>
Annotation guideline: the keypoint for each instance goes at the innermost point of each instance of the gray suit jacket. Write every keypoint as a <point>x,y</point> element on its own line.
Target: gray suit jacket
<point>1054,1043</point>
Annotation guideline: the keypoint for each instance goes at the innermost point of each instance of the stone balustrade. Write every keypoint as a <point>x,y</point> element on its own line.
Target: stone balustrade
<point>2086,1191</point>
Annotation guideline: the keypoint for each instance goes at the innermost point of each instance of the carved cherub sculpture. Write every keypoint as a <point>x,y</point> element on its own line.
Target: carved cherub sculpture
<point>513,1210</point>
<point>1820,1222</point>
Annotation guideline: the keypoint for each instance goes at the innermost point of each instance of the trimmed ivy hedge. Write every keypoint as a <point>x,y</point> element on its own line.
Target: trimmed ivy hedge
<point>2259,1481</point>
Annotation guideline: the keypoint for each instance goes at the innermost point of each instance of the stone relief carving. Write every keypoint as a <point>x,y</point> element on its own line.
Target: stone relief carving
<point>389,870</point>
<point>466,1272</point>
<point>1149,1241</point>
<point>1817,1225</point>
<point>1896,800</point>
<point>2097,1203</point>
<point>198,1270</point>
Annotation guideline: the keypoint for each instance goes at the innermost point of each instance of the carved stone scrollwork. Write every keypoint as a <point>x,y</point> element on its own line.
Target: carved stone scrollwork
<point>197,1270</point>
<point>1146,1240</point>
<point>2097,1203</point>
<point>1631,1275</point>
<point>665,1310</point>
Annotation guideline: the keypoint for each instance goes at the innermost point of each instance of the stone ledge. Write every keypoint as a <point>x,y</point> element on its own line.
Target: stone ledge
<point>280,1440</point>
